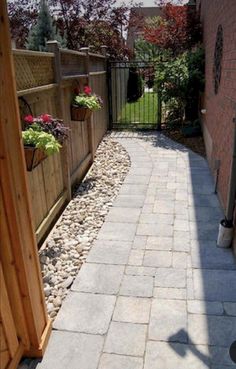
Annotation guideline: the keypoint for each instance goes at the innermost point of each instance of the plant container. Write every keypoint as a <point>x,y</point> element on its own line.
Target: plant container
<point>80,113</point>
<point>225,235</point>
<point>33,157</point>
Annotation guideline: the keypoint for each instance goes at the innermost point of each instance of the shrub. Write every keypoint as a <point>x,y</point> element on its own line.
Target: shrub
<point>182,79</point>
<point>135,87</point>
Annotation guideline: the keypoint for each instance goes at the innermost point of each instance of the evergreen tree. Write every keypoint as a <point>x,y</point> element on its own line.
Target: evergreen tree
<point>43,30</point>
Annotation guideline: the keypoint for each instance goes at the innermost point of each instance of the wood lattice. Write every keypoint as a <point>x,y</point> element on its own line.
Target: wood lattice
<point>33,71</point>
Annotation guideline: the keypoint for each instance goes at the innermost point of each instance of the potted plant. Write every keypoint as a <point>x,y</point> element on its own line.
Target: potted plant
<point>83,104</point>
<point>42,136</point>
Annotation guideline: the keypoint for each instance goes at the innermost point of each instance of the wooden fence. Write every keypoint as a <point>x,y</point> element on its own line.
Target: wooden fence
<point>24,324</point>
<point>45,83</point>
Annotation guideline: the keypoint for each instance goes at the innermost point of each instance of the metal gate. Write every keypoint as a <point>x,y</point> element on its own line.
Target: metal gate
<point>134,100</point>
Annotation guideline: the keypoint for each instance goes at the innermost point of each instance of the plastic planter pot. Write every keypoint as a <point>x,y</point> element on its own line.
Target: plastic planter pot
<point>225,236</point>
<point>33,157</point>
<point>80,113</point>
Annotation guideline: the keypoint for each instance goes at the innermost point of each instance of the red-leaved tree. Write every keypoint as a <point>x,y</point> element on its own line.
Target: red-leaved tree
<point>177,30</point>
<point>82,22</point>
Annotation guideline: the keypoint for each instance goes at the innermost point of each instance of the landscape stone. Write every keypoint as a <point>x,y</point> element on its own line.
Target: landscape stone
<point>212,330</point>
<point>107,254</point>
<point>117,231</point>
<point>126,339</point>
<point>205,307</point>
<point>159,243</point>
<point>155,299</point>
<point>168,321</point>
<point>132,310</point>
<point>85,313</point>
<point>112,361</point>
<point>137,286</point>
<point>99,278</point>
<point>230,308</point>
<point>162,355</point>
<point>157,258</point>
<point>66,349</point>
<point>170,277</point>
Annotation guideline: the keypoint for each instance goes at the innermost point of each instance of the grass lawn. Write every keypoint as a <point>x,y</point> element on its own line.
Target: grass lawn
<point>142,111</point>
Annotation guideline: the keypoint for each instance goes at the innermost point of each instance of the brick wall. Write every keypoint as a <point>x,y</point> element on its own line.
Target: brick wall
<point>221,108</point>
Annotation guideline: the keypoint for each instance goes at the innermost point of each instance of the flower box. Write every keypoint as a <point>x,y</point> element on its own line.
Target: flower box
<point>80,113</point>
<point>33,157</point>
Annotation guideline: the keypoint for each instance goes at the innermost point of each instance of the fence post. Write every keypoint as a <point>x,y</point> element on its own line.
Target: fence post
<point>53,47</point>
<point>22,305</point>
<point>107,68</point>
<point>90,120</point>
<point>159,108</point>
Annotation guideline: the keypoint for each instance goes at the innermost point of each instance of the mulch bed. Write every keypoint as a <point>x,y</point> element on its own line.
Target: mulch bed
<point>196,144</point>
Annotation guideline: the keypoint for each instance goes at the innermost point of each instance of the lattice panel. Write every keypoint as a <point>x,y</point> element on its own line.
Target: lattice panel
<point>33,71</point>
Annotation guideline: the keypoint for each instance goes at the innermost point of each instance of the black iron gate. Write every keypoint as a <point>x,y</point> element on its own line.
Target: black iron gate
<point>135,102</point>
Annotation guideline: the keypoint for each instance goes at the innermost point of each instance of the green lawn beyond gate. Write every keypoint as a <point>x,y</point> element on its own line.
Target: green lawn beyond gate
<point>145,110</point>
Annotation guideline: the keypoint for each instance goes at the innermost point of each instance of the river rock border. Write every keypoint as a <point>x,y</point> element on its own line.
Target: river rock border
<point>67,247</point>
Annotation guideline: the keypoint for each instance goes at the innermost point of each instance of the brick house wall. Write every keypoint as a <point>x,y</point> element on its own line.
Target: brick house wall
<point>221,107</point>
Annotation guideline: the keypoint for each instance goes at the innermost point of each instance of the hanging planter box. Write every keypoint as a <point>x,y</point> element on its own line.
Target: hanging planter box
<point>80,113</point>
<point>33,157</point>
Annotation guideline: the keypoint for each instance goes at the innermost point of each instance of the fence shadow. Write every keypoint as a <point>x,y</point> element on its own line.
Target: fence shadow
<point>213,281</point>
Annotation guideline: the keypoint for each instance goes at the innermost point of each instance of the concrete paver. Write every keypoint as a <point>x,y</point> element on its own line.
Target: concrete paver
<point>156,292</point>
<point>86,313</point>
<point>99,278</point>
<point>126,339</point>
<point>111,361</point>
<point>67,349</point>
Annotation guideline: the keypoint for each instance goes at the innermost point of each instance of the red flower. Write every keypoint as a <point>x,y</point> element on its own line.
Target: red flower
<point>29,119</point>
<point>46,118</point>
<point>87,90</point>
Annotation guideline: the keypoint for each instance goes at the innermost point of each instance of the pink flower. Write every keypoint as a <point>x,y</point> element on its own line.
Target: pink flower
<point>46,118</point>
<point>87,90</point>
<point>29,119</point>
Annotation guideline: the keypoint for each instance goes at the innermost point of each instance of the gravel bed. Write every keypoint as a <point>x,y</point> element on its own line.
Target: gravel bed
<point>67,246</point>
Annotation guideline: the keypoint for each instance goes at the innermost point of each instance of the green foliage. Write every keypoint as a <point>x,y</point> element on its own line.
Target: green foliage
<point>135,87</point>
<point>182,78</point>
<point>41,140</point>
<point>91,102</point>
<point>43,30</point>
<point>145,110</point>
<point>145,50</point>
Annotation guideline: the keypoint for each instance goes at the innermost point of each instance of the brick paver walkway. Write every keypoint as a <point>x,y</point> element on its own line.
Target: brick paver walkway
<point>156,292</point>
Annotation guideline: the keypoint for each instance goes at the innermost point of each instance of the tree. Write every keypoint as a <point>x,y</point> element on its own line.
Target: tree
<point>22,15</point>
<point>145,50</point>
<point>177,30</point>
<point>43,30</point>
<point>84,22</point>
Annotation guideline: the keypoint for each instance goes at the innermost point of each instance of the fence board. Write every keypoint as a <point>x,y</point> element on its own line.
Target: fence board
<point>7,319</point>
<point>100,118</point>
<point>51,92</point>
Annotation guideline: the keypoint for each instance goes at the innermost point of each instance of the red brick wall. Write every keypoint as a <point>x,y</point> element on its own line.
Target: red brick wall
<point>220,108</point>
